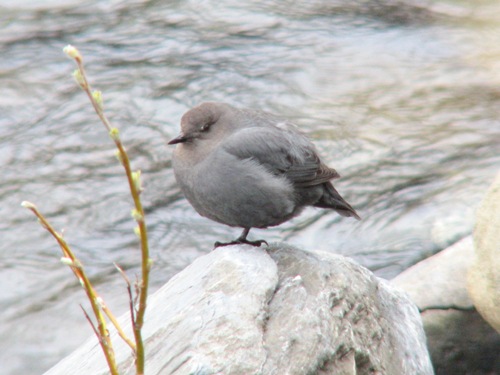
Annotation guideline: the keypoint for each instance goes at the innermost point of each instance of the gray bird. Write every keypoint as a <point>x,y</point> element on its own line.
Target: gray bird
<point>250,169</point>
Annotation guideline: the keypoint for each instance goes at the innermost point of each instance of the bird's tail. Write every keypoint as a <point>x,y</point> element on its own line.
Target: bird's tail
<point>332,199</point>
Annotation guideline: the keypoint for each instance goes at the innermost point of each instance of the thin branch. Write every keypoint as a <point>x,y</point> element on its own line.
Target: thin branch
<point>129,290</point>
<point>134,181</point>
<point>91,324</point>
<point>117,326</point>
<point>77,268</point>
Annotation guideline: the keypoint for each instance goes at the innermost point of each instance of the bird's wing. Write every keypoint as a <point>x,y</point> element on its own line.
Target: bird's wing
<point>282,152</point>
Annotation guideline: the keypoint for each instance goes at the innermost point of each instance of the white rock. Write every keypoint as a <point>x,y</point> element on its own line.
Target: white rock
<point>483,279</point>
<point>244,310</point>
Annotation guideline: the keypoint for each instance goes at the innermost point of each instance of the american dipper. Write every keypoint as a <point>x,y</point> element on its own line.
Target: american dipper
<point>250,169</point>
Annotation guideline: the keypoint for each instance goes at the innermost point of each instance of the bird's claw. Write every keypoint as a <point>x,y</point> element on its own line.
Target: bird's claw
<point>257,243</point>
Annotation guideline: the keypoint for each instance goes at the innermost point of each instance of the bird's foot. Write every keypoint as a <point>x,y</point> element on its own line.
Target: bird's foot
<point>240,242</point>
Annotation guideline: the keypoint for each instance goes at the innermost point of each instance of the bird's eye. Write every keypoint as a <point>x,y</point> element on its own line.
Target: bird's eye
<point>205,126</point>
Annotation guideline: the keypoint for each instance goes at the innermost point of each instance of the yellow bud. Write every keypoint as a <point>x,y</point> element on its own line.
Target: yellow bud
<point>97,95</point>
<point>100,302</point>
<point>67,261</point>
<point>114,133</point>
<point>137,231</point>
<point>137,215</point>
<point>78,76</point>
<point>72,52</point>
<point>72,263</point>
<point>28,205</point>
<point>136,177</point>
<point>118,155</point>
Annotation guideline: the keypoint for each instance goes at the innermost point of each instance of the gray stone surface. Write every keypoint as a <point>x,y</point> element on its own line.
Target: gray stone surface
<point>331,314</point>
<point>483,279</point>
<point>245,310</point>
<point>440,280</point>
<point>461,342</point>
<point>459,339</point>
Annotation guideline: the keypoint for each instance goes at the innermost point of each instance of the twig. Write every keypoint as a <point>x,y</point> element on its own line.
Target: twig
<point>134,180</point>
<point>91,324</point>
<point>77,268</point>
<point>129,290</point>
<point>117,326</point>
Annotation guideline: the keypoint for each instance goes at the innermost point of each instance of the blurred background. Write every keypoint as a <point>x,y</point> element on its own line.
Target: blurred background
<point>401,98</point>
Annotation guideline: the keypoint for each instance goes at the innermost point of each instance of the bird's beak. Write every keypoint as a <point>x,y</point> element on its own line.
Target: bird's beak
<point>181,138</point>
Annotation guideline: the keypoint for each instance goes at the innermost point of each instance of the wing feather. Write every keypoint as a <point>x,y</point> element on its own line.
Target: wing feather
<point>282,152</point>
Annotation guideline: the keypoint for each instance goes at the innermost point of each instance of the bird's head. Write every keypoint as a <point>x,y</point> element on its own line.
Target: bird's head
<point>199,122</point>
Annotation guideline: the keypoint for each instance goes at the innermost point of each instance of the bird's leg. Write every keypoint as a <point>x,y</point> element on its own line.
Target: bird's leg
<point>242,239</point>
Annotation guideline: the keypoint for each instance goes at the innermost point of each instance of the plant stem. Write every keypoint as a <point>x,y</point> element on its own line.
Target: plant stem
<point>135,192</point>
<point>77,268</point>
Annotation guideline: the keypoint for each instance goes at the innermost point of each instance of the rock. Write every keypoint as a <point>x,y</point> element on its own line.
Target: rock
<point>245,310</point>
<point>439,281</point>
<point>483,278</point>
<point>337,313</point>
<point>459,340</point>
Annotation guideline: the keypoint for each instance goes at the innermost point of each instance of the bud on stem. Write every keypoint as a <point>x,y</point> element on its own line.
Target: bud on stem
<point>137,215</point>
<point>72,52</point>
<point>136,177</point>
<point>78,76</point>
<point>97,95</point>
<point>114,133</point>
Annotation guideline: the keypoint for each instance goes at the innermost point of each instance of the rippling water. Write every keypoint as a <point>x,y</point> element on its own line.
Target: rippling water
<point>402,100</point>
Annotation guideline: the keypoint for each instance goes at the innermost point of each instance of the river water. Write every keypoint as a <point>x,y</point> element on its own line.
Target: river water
<point>402,100</point>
